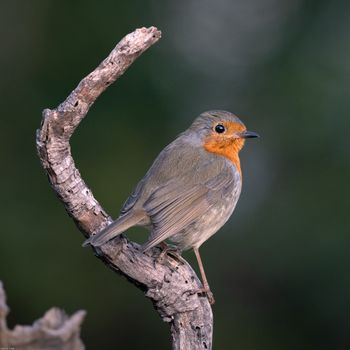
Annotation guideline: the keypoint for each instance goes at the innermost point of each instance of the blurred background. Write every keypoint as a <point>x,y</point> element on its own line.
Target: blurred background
<point>280,268</point>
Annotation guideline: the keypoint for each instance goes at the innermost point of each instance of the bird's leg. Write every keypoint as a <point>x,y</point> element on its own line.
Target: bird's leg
<point>206,288</point>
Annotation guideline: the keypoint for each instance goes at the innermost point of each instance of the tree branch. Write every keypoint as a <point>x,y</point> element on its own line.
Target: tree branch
<point>167,284</point>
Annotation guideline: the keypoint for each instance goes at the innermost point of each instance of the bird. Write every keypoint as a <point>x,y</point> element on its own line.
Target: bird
<point>190,191</point>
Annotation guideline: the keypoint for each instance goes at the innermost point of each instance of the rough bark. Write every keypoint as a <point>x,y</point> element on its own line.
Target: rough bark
<point>54,331</point>
<point>169,284</point>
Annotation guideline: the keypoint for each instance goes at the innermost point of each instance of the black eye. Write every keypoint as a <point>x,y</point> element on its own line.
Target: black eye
<point>220,129</point>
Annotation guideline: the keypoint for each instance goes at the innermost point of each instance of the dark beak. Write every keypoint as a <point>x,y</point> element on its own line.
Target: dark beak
<point>248,134</point>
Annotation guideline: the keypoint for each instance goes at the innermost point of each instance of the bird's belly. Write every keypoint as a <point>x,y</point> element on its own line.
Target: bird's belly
<point>208,224</point>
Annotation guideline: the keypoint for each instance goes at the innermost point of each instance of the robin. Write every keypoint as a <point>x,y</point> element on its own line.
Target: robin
<point>191,189</point>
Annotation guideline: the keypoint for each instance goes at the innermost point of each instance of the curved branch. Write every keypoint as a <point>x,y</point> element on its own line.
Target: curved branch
<point>167,284</point>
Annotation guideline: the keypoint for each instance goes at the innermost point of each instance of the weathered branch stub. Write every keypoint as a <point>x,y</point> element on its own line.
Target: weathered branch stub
<point>54,331</point>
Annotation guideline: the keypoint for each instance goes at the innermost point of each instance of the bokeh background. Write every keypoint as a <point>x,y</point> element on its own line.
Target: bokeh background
<point>280,268</point>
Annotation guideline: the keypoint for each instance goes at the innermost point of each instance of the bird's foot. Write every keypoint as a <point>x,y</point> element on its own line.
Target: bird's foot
<point>171,251</point>
<point>208,293</point>
<point>204,291</point>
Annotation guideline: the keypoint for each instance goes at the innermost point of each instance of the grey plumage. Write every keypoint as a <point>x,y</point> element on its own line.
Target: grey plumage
<point>187,194</point>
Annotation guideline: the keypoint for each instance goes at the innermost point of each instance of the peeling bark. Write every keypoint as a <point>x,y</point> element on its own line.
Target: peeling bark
<point>170,283</point>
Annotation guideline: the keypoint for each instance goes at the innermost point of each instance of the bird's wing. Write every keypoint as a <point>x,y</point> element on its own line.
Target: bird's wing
<point>173,162</point>
<point>176,205</point>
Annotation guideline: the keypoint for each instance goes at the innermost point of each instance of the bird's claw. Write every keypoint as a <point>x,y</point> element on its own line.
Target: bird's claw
<point>170,251</point>
<point>208,293</point>
<point>203,291</point>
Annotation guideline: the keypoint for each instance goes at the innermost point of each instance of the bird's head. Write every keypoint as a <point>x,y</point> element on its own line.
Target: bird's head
<point>221,133</point>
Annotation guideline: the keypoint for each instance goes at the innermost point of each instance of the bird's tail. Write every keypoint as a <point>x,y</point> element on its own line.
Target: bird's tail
<point>114,229</point>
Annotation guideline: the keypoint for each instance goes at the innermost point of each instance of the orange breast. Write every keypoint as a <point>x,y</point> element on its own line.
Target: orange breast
<point>228,148</point>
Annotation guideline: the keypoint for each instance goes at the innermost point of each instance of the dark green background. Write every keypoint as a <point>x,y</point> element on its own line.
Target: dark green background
<point>280,268</point>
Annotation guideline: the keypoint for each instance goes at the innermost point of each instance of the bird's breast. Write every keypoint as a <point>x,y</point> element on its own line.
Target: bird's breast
<point>228,149</point>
